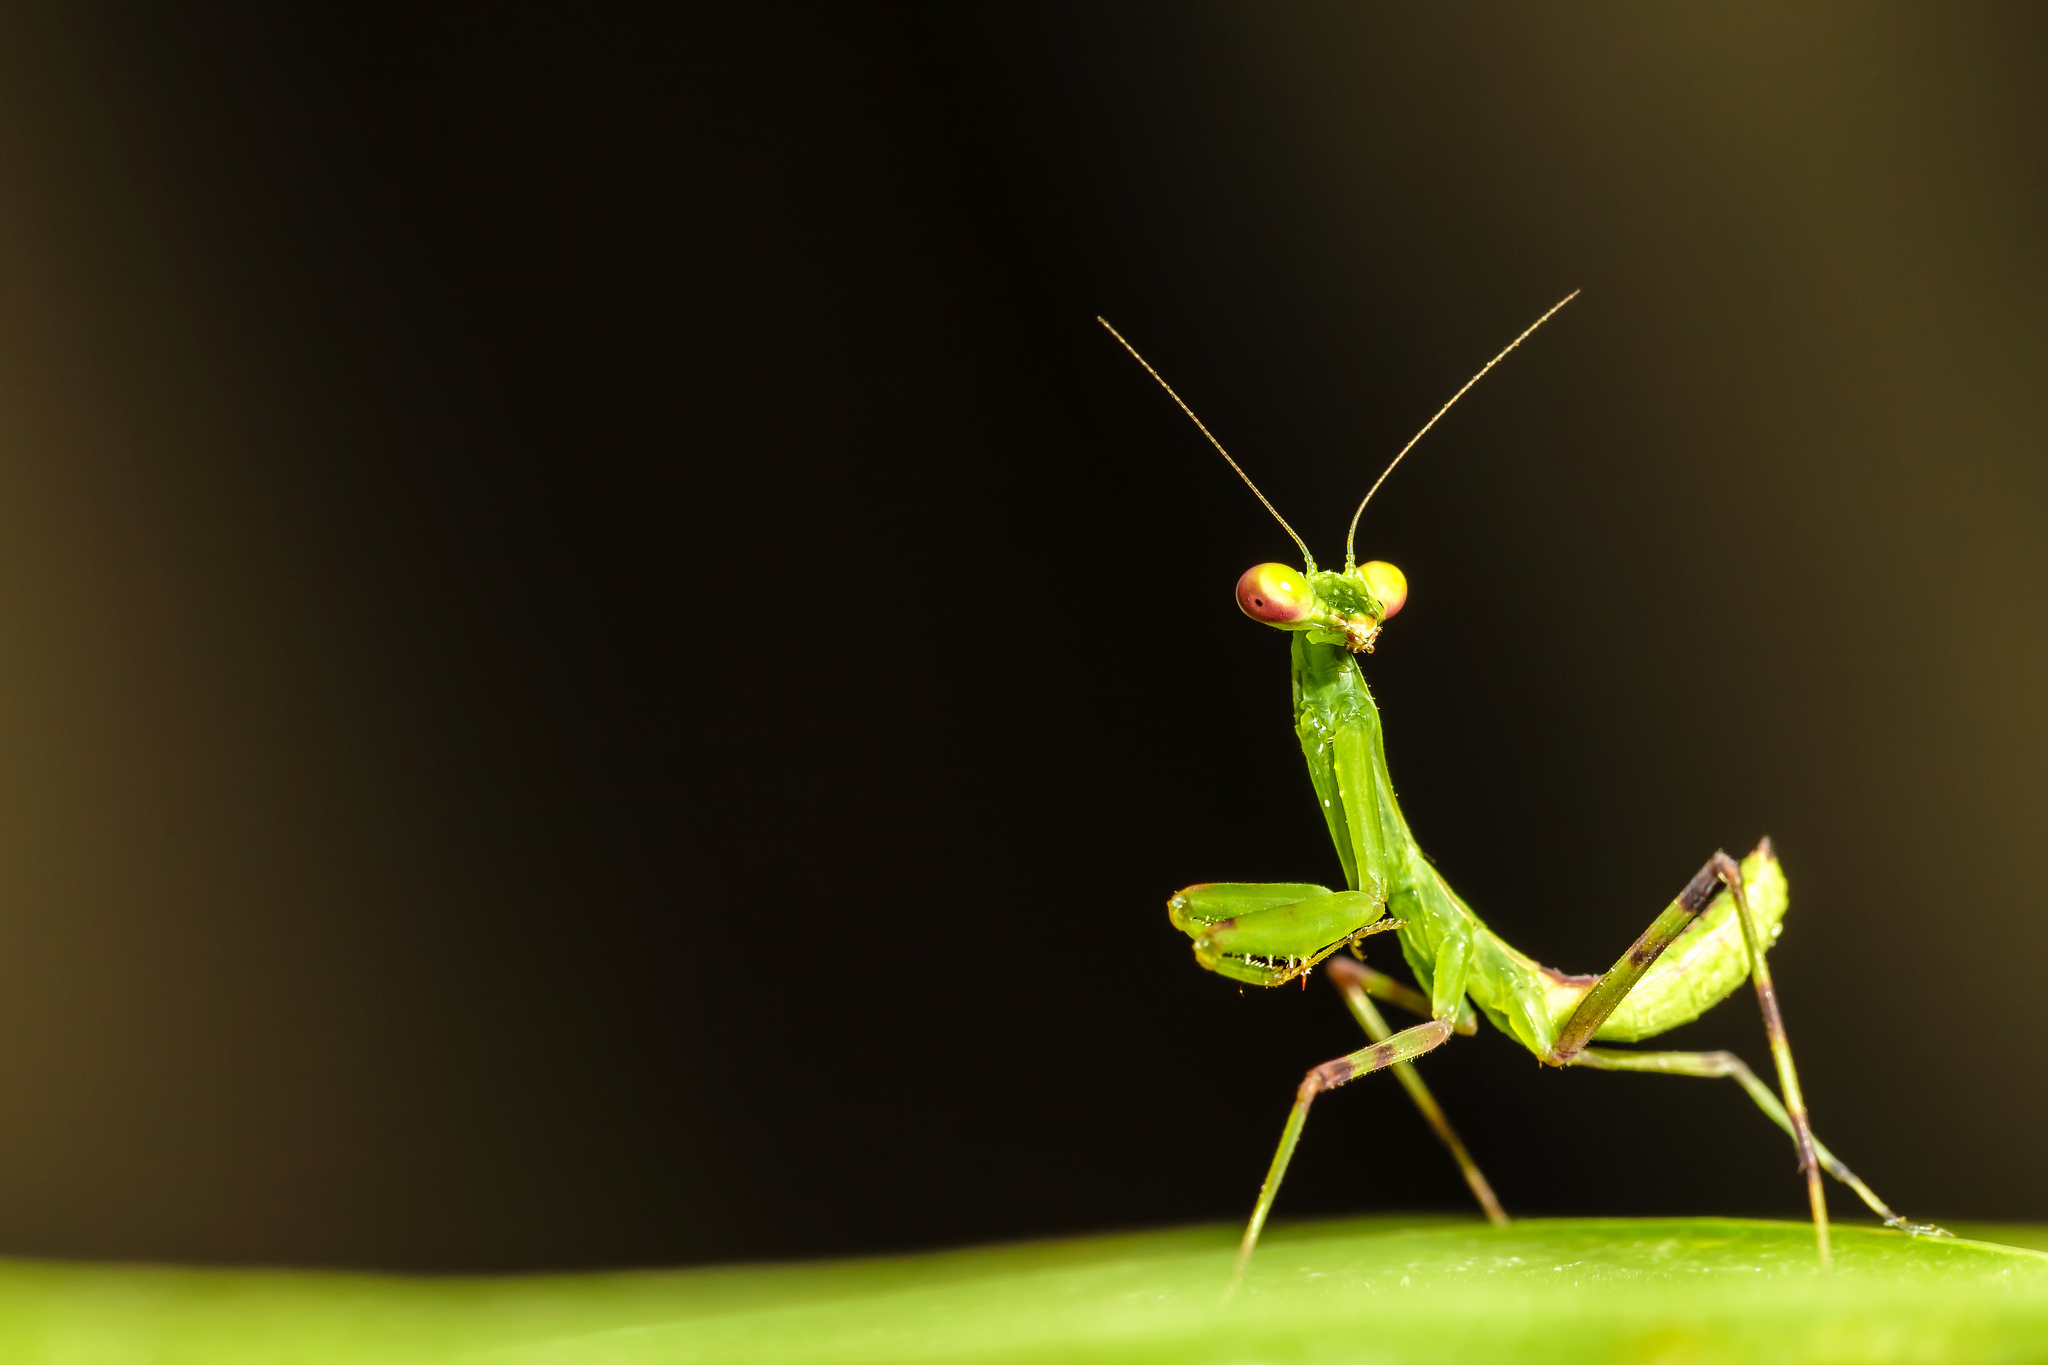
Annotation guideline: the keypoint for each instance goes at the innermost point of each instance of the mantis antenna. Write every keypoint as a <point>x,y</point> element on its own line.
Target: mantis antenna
<point>1352,534</point>
<point>1308,560</point>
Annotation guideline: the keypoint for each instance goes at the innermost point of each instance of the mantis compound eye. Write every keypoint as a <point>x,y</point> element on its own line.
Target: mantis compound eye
<point>1274,594</point>
<point>1387,583</point>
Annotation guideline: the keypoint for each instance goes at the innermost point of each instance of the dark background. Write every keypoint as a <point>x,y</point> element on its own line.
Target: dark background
<point>600,664</point>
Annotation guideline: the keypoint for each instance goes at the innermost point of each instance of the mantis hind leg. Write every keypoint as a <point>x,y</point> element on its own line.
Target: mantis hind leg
<point>1730,1066</point>
<point>1404,1046</point>
<point>1608,992</point>
<point>1359,983</point>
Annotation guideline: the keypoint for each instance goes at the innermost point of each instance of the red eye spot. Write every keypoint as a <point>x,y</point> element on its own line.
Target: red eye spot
<point>1274,594</point>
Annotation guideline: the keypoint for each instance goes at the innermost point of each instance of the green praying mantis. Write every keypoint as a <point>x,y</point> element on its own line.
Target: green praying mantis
<point>1713,934</point>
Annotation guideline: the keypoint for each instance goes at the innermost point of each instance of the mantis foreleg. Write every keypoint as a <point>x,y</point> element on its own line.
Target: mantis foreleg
<point>1359,983</point>
<point>1404,1046</point>
<point>1727,1064</point>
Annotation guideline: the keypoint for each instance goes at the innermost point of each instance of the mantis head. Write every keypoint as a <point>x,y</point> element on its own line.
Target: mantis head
<point>1345,608</point>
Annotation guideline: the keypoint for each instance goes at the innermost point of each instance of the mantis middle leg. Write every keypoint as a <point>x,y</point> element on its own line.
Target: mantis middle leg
<point>1359,983</point>
<point>1730,1066</point>
<point>1404,1046</point>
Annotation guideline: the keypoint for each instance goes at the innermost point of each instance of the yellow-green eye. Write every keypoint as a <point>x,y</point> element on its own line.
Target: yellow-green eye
<point>1274,593</point>
<point>1385,582</point>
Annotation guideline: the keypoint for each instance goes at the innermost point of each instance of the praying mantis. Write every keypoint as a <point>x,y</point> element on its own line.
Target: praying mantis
<point>1716,931</point>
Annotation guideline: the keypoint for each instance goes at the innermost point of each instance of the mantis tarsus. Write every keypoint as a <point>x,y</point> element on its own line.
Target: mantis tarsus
<point>1713,933</point>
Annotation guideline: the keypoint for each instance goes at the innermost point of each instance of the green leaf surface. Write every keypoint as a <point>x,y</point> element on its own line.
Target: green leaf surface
<point>1388,1289</point>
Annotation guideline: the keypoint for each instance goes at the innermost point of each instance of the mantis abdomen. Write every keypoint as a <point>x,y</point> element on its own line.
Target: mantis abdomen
<point>1530,1002</point>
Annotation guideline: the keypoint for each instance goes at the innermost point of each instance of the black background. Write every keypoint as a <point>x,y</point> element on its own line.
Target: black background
<point>600,664</point>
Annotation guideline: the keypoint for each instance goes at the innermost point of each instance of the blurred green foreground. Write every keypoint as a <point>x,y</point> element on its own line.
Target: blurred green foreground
<point>1415,1289</point>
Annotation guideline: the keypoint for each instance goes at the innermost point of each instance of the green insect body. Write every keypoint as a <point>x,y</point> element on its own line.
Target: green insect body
<point>1450,950</point>
<point>1715,933</point>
